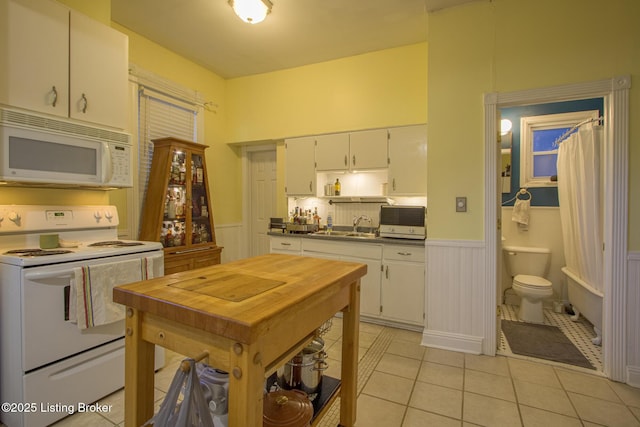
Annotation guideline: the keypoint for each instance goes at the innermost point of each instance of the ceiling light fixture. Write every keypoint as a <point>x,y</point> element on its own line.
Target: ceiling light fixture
<point>251,11</point>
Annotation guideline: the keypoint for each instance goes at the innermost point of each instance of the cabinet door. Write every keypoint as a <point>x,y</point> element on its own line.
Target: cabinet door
<point>332,152</point>
<point>285,245</point>
<point>408,160</point>
<point>368,149</point>
<point>369,286</point>
<point>34,56</point>
<point>300,166</point>
<point>403,291</point>
<point>98,72</point>
<point>201,231</point>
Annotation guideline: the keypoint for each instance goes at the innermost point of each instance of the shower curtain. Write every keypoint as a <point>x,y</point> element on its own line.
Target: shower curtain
<point>580,197</point>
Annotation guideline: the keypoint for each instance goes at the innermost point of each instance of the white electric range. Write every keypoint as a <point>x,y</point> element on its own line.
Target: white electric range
<point>49,366</point>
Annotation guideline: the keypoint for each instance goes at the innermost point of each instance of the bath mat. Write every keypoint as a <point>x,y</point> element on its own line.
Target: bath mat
<point>543,342</point>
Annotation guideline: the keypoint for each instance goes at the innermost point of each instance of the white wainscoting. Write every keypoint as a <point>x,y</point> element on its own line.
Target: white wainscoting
<point>230,237</point>
<point>454,299</point>
<point>633,319</point>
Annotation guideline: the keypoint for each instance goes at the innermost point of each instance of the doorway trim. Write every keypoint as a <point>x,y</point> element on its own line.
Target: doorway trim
<point>615,92</point>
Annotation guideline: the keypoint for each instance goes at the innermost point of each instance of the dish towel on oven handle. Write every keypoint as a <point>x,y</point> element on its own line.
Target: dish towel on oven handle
<point>91,297</point>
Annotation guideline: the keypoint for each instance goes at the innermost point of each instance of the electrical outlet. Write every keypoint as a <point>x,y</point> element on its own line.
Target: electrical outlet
<point>461,204</point>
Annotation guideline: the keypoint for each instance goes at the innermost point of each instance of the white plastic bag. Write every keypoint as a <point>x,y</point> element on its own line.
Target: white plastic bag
<point>193,410</point>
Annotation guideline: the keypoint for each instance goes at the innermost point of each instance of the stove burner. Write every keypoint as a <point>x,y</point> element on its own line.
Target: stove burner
<point>37,252</point>
<point>115,244</point>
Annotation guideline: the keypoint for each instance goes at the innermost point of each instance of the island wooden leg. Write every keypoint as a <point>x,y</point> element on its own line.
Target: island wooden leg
<point>350,337</point>
<point>138,372</point>
<point>246,385</point>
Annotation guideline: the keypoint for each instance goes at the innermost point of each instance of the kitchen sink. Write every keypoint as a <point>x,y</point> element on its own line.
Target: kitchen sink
<point>341,233</point>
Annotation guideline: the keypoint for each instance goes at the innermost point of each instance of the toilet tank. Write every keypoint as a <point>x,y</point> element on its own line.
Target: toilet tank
<point>526,260</point>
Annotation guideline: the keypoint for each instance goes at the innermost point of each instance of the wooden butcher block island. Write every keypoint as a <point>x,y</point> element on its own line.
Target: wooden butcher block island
<point>250,316</point>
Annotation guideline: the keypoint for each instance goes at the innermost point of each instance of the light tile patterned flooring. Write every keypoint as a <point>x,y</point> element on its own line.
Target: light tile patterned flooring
<point>402,384</point>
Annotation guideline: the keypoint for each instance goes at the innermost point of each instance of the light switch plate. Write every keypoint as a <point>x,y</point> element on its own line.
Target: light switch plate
<point>461,204</point>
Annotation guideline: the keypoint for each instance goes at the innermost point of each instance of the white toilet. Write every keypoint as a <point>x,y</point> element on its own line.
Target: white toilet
<point>528,266</point>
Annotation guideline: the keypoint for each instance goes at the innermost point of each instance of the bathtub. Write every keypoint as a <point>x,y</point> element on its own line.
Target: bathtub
<point>586,300</point>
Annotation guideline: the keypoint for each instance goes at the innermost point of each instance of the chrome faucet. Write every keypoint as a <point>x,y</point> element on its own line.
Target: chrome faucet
<point>356,222</point>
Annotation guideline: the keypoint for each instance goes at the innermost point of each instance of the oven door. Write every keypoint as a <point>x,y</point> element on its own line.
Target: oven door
<point>48,335</point>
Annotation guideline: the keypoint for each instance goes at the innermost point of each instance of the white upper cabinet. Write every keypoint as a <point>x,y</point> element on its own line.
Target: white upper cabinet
<point>368,149</point>
<point>98,71</point>
<point>361,150</point>
<point>63,63</point>
<point>408,160</point>
<point>300,178</point>
<point>332,152</point>
<point>34,56</point>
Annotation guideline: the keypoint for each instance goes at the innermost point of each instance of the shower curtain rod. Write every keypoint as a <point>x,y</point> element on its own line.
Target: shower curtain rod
<point>567,133</point>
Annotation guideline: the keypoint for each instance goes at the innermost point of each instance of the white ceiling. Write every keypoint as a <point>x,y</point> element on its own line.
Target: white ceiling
<point>295,33</point>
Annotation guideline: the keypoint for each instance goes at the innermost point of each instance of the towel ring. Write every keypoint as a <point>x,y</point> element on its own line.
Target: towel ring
<point>523,192</point>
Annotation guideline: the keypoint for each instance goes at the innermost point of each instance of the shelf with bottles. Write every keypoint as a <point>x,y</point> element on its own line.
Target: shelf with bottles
<point>360,184</point>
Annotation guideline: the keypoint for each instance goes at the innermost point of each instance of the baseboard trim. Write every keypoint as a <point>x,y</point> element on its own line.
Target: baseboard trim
<point>453,342</point>
<point>633,376</point>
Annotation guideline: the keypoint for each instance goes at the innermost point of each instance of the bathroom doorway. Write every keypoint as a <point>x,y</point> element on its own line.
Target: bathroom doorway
<point>530,166</point>
<point>614,93</point>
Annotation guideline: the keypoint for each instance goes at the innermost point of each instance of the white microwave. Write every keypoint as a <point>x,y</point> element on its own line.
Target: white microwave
<point>403,222</point>
<point>38,150</point>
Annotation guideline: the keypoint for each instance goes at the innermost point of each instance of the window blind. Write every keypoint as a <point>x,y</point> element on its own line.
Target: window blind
<point>160,116</point>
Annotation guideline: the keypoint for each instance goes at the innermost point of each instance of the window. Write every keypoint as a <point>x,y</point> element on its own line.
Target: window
<point>160,116</point>
<point>539,149</point>
<point>163,109</point>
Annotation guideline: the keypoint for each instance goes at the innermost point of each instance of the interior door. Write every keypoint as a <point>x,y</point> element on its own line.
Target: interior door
<point>263,199</point>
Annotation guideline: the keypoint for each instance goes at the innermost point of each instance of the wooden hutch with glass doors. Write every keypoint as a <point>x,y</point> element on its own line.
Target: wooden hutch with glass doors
<point>177,208</point>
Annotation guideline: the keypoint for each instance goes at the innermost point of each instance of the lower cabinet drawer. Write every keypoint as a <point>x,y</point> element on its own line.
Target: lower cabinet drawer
<point>404,253</point>
<point>175,263</point>
<point>293,244</point>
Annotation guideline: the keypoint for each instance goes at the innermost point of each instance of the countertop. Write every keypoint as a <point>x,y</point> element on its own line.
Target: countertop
<point>237,299</point>
<point>379,240</point>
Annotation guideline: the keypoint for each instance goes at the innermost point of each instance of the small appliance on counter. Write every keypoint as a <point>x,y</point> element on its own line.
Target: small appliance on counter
<point>403,222</point>
<point>301,228</point>
<point>277,224</point>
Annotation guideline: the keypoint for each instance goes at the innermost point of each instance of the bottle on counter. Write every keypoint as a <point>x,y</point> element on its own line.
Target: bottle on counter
<point>337,187</point>
<point>329,221</point>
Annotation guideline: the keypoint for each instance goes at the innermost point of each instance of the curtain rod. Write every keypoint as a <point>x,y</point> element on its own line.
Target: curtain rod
<point>570,131</point>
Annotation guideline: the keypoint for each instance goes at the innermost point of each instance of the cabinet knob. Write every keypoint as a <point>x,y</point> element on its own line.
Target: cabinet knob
<point>354,160</point>
<point>346,160</point>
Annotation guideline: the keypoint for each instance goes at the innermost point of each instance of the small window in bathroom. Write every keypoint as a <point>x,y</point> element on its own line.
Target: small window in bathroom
<point>539,151</point>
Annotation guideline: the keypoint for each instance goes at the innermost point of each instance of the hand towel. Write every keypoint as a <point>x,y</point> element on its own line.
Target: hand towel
<point>521,212</point>
<point>91,297</point>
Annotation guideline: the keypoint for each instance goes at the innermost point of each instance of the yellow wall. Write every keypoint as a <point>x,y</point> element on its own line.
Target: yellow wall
<point>223,164</point>
<point>504,46</point>
<point>384,88</point>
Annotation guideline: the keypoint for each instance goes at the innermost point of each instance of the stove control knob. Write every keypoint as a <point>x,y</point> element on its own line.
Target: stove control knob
<point>97,215</point>
<point>108,215</point>
<point>14,217</point>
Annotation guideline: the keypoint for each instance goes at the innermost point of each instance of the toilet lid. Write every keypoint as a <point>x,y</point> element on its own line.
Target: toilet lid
<point>532,281</point>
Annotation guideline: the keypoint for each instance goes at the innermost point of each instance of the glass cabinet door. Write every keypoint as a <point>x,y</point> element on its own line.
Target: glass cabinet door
<point>174,224</point>
<point>200,209</point>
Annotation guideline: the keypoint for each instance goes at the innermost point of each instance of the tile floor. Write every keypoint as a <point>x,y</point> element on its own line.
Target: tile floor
<point>402,384</point>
